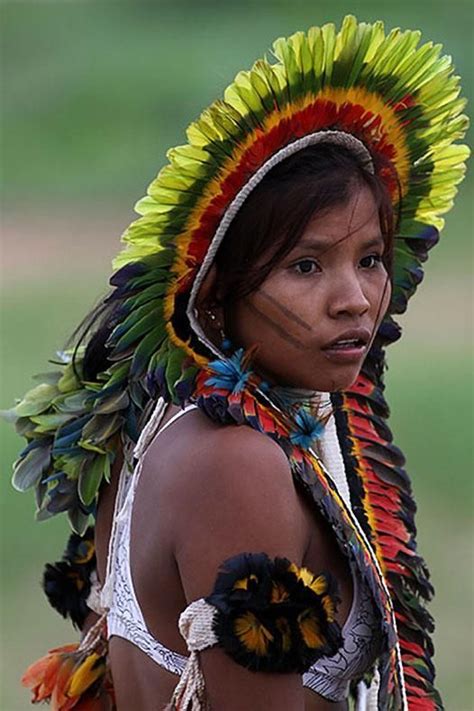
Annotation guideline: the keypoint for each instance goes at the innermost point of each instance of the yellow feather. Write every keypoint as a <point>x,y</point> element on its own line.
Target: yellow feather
<point>85,675</point>
<point>310,630</point>
<point>329,608</point>
<point>279,593</point>
<point>243,583</point>
<point>254,636</point>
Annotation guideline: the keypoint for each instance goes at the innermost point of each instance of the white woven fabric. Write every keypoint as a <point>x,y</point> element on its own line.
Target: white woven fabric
<point>93,601</point>
<point>124,497</point>
<point>367,697</point>
<point>106,594</point>
<point>125,618</point>
<point>195,625</point>
<point>331,451</point>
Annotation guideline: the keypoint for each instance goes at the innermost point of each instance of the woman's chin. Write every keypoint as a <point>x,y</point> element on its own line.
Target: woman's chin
<point>337,383</point>
<point>338,379</point>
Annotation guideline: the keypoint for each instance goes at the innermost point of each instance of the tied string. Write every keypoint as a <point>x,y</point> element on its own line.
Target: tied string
<point>196,624</point>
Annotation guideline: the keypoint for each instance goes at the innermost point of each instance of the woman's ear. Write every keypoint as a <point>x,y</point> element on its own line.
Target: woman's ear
<point>206,291</point>
<point>211,313</point>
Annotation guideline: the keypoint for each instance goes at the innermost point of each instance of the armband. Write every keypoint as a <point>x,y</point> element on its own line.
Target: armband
<point>267,615</point>
<point>272,616</point>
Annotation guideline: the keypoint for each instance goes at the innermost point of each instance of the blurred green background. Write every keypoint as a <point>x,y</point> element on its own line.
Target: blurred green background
<point>93,93</point>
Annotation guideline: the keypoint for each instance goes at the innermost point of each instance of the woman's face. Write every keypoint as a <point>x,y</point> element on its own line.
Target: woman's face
<point>315,315</point>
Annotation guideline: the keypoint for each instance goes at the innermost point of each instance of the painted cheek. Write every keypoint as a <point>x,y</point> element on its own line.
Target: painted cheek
<point>281,310</point>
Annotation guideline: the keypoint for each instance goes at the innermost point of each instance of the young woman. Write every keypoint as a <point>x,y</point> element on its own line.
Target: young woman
<point>208,492</point>
<point>226,423</point>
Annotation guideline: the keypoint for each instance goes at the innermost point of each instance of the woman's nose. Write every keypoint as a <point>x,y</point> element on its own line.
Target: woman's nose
<point>348,298</point>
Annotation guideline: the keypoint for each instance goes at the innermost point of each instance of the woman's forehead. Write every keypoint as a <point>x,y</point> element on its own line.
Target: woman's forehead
<point>357,218</point>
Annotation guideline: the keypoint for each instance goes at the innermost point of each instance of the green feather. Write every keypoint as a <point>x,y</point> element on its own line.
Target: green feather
<point>91,476</point>
<point>69,464</point>
<point>28,470</point>
<point>99,429</point>
<point>78,520</point>
<point>136,317</point>
<point>150,296</point>
<point>25,427</point>
<point>68,380</point>
<point>135,333</point>
<point>145,350</point>
<point>116,401</point>
<point>329,43</point>
<point>76,403</point>
<point>36,400</point>
<point>51,377</point>
<point>49,423</point>
<point>173,370</point>
<point>117,374</point>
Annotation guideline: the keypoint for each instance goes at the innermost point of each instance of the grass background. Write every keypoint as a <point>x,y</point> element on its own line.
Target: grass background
<point>93,93</point>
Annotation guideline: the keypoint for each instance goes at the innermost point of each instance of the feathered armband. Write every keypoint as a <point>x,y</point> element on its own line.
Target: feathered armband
<point>267,615</point>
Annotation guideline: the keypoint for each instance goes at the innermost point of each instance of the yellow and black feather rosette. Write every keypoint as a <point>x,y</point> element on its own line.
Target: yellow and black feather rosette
<point>67,583</point>
<point>273,616</point>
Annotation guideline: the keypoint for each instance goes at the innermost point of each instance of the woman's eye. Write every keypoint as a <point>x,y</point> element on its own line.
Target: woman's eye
<point>305,266</point>
<point>371,261</point>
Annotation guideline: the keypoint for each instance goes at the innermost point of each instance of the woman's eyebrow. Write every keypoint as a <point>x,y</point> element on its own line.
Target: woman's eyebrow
<point>323,245</point>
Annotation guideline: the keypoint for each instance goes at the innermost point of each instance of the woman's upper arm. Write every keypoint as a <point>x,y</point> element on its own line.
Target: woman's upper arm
<point>236,497</point>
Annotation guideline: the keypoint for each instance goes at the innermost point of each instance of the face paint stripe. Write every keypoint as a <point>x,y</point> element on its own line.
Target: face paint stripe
<point>284,310</point>
<point>276,326</point>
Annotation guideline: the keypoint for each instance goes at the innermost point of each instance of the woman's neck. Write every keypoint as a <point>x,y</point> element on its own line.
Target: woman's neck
<point>290,395</point>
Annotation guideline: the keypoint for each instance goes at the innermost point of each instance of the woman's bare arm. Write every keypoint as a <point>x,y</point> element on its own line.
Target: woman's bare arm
<point>237,496</point>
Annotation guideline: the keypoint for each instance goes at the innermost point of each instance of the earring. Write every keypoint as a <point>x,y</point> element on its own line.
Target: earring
<point>211,315</point>
<point>226,344</point>
<point>215,323</point>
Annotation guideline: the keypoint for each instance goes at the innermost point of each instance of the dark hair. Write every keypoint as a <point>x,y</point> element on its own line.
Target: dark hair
<point>276,213</point>
<point>271,221</point>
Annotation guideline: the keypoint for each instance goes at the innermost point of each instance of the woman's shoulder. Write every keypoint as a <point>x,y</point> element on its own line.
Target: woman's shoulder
<point>196,459</point>
<point>194,440</point>
<point>221,490</point>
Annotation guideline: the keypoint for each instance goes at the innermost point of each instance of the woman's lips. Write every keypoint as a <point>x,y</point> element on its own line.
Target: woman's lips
<point>345,353</point>
<point>349,347</point>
